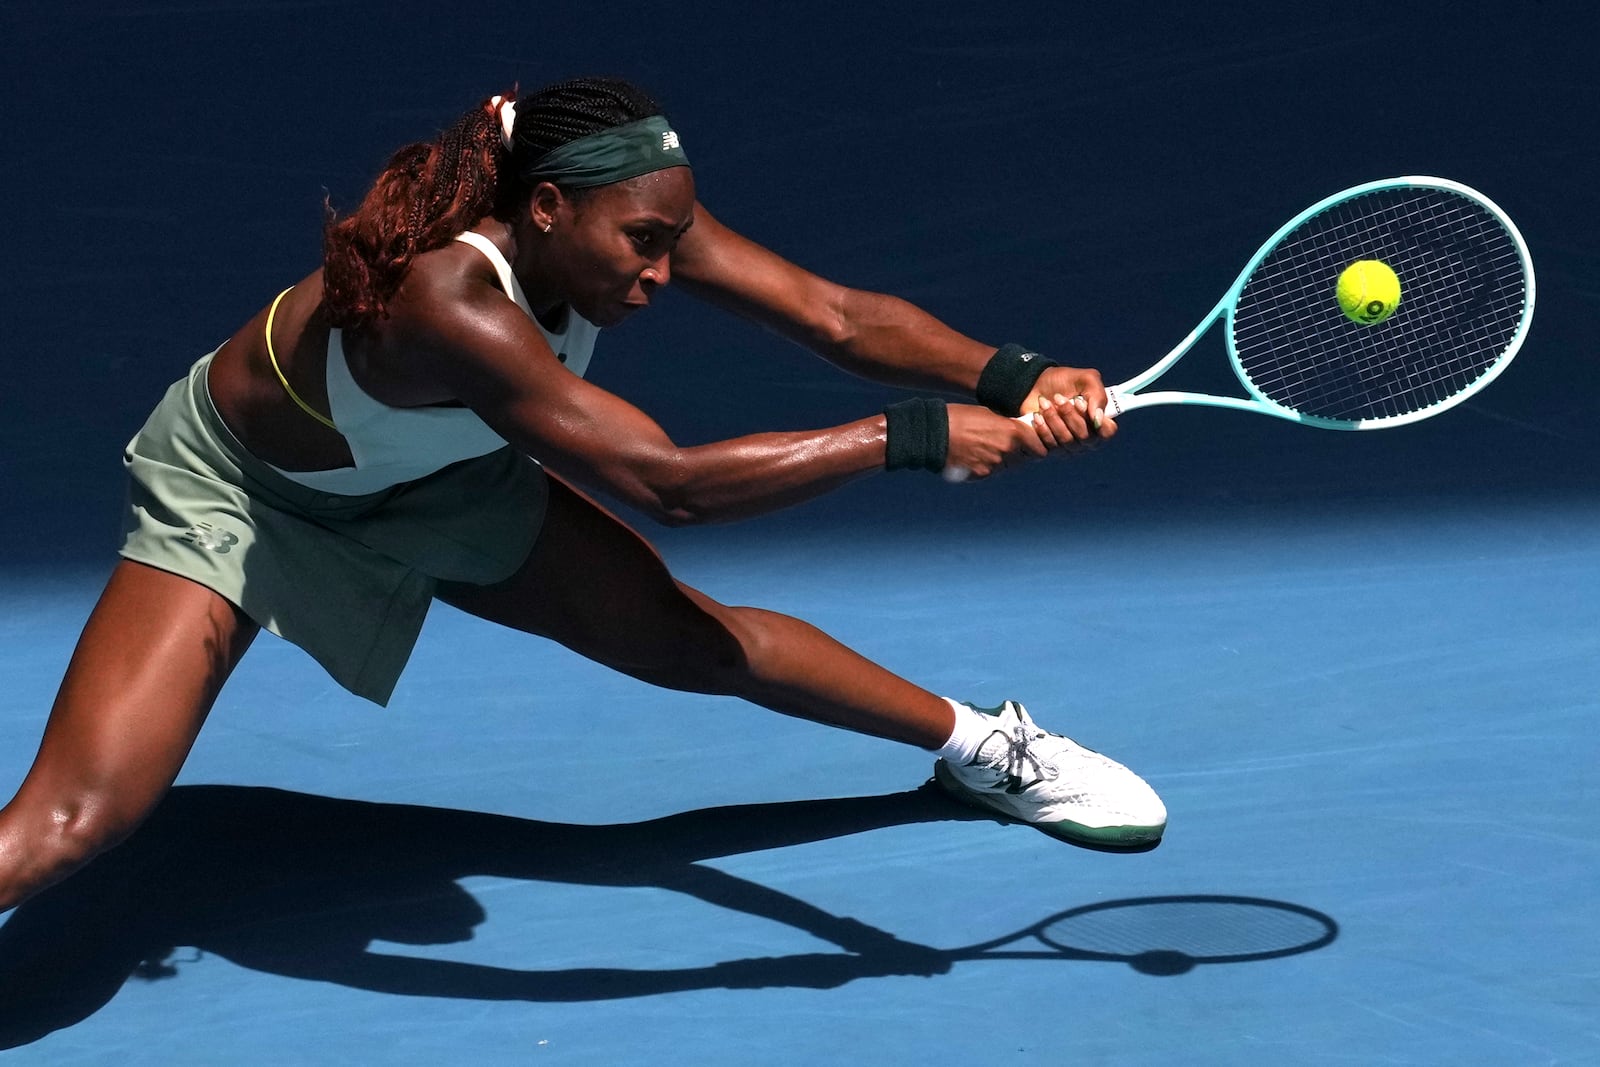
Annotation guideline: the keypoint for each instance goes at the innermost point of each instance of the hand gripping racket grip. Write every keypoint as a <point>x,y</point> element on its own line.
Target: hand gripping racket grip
<point>1116,404</point>
<point>955,474</point>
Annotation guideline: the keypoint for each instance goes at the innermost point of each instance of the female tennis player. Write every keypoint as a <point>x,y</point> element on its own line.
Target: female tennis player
<point>361,446</point>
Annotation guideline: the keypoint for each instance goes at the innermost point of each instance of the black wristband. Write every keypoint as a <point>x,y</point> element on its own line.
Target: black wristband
<point>919,435</point>
<point>1008,378</point>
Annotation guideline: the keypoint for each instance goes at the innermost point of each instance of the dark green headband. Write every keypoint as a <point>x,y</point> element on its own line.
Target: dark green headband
<point>611,155</point>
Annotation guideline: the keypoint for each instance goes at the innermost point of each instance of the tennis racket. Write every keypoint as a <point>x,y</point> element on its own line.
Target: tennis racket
<point>1466,283</point>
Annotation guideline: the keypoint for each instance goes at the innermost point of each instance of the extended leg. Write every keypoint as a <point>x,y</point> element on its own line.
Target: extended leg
<point>595,586</point>
<point>150,662</point>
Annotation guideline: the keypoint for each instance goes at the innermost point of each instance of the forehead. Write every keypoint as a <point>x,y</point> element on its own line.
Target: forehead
<point>666,195</point>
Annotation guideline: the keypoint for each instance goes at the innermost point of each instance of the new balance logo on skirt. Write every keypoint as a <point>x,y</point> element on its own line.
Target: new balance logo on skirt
<point>206,536</point>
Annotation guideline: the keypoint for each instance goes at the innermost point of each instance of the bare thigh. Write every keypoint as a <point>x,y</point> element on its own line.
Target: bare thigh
<point>597,587</point>
<point>148,666</point>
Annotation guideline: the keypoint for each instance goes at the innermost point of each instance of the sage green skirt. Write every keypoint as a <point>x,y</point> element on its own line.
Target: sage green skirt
<point>347,578</point>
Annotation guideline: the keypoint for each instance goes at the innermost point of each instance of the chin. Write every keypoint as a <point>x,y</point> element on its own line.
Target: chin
<point>614,314</point>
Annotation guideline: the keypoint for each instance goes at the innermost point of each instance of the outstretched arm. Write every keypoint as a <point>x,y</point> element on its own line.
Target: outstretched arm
<point>876,336</point>
<point>473,345</point>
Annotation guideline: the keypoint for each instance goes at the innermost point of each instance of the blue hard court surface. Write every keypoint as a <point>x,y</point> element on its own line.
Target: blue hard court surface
<point>1361,669</point>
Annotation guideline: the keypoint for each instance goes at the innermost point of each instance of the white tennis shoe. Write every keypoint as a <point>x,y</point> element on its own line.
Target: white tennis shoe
<point>1025,773</point>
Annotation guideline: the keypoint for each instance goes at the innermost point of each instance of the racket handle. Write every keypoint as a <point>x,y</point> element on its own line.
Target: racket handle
<point>955,475</point>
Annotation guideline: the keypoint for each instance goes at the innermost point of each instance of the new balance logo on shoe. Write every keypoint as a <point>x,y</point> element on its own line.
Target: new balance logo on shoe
<point>206,536</point>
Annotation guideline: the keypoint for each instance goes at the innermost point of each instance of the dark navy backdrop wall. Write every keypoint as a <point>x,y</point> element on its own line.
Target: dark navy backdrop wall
<point>1084,180</point>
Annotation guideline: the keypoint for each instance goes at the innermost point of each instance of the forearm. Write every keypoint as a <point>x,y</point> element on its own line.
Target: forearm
<point>891,340</point>
<point>874,335</point>
<point>748,476</point>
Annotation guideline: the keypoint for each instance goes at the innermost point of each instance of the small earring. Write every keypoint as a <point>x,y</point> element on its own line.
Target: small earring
<point>547,226</point>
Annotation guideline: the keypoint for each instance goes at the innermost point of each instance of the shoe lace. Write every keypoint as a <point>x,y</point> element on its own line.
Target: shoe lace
<point>1018,754</point>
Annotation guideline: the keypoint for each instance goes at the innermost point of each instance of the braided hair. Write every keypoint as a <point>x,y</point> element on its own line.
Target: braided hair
<point>431,191</point>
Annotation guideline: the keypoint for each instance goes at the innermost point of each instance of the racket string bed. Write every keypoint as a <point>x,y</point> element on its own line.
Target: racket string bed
<point>1463,302</point>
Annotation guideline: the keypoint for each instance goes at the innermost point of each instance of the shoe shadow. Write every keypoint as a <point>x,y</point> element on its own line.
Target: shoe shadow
<point>299,885</point>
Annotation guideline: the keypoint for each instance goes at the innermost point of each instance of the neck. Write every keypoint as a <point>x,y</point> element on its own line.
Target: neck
<point>525,254</point>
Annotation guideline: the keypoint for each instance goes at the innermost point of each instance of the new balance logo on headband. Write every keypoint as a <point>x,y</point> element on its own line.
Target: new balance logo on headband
<point>614,154</point>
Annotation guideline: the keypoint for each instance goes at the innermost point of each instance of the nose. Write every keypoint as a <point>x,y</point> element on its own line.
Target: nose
<point>657,274</point>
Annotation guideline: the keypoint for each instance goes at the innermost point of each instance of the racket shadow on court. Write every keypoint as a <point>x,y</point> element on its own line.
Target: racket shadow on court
<point>301,886</point>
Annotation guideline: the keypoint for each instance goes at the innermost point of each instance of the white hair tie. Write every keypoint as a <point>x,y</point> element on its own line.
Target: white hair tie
<point>507,110</point>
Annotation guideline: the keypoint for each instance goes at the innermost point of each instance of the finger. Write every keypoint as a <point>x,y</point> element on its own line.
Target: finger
<point>1096,415</point>
<point>1024,438</point>
<point>1093,391</point>
<point>1027,435</point>
<point>1088,382</point>
<point>1075,409</point>
<point>1049,425</point>
<point>1094,394</point>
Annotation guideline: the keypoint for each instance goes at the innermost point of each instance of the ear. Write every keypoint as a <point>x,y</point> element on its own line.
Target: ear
<point>545,202</point>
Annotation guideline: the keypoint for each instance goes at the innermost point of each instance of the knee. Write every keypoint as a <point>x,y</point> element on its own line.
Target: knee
<point>702,647</point>
<point>84,825</point>
<point>738,640</point>
<point>40,844</point>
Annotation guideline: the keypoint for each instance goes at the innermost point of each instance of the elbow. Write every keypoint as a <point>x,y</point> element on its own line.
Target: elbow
<point>677,517</point>
<point>671,496</point>
<point>681,510</point>
<point>836,328</point>
<point>695,487</point>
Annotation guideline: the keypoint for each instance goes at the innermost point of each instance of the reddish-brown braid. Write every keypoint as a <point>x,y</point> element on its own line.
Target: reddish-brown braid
<point>426,195</point>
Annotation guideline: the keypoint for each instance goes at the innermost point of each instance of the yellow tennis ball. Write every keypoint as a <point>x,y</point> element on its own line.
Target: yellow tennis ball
<point>1368,292</point>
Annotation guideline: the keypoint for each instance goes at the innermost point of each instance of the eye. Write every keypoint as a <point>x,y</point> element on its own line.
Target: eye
<point>643,240</point>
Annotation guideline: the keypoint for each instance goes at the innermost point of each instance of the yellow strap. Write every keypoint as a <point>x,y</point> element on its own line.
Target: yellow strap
<point>271,355</point>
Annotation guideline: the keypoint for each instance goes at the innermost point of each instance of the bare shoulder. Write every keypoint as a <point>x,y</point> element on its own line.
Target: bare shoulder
<point>442,288</point>
<point>449,310</point>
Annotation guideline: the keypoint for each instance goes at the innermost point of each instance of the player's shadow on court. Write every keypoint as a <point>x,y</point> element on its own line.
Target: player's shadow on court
<point>301,886</point>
